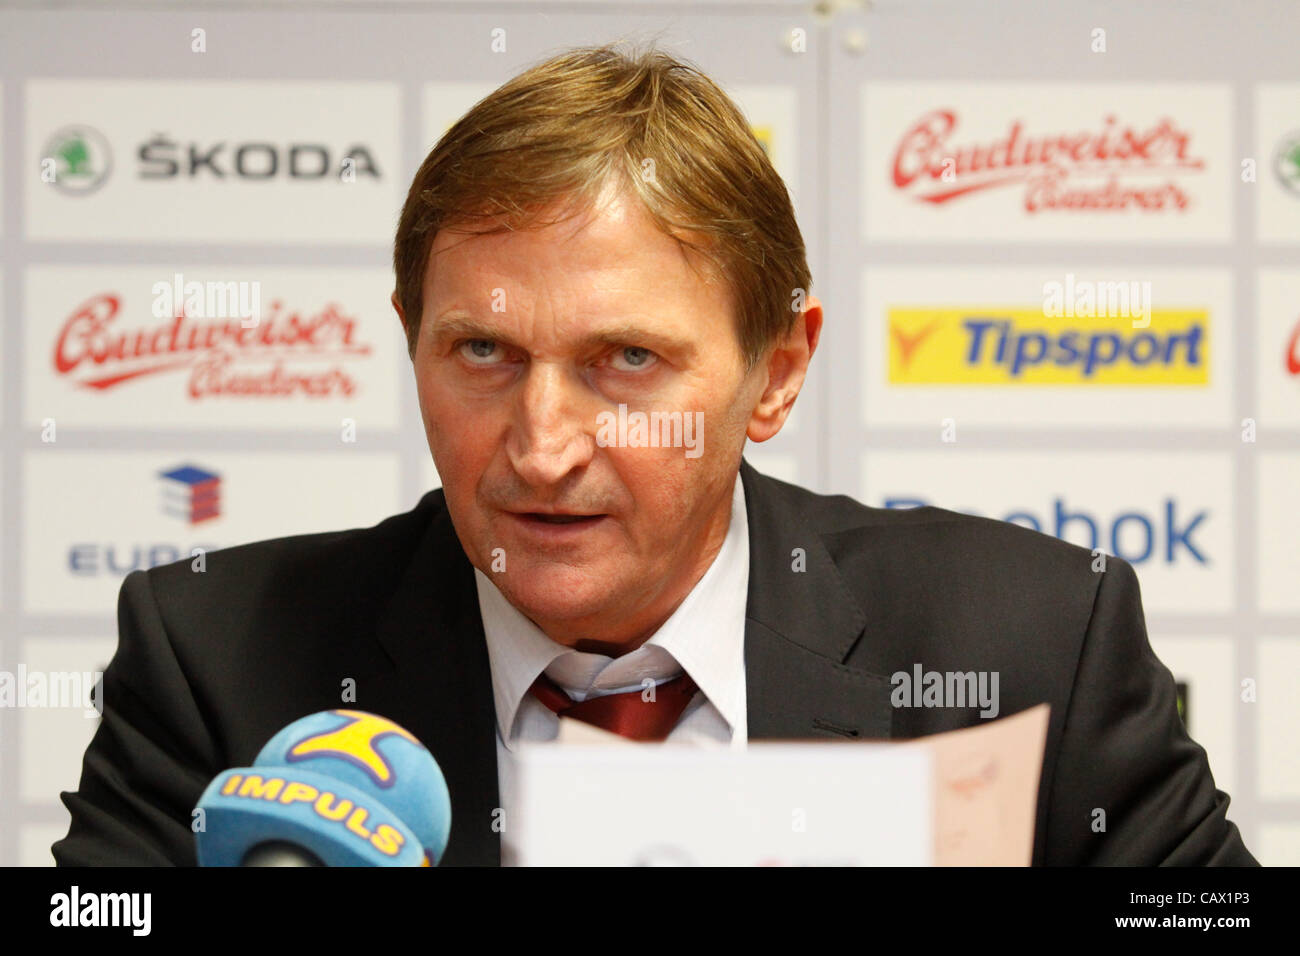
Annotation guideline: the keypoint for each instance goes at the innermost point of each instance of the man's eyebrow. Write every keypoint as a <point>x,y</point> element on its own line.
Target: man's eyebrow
<point>626,333</point>
<point>463,327</point>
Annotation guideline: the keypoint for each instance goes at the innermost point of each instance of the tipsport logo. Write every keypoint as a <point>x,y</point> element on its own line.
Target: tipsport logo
<point>1024,346</point>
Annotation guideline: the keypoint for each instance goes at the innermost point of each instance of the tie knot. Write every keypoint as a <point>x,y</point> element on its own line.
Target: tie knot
<point>648,714</point>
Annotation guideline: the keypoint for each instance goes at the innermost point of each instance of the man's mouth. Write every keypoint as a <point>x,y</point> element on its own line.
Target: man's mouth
<point>560,519</point>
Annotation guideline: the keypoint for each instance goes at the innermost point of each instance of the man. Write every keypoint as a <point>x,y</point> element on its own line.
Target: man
<point>599,239</point>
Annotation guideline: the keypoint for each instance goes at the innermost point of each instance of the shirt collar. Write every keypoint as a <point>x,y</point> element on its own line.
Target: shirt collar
<point>704,636</point>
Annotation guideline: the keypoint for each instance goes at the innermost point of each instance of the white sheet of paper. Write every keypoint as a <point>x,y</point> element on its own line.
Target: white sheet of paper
<point>962,798</point>
<point>774,804</point>
<point>986,789</point>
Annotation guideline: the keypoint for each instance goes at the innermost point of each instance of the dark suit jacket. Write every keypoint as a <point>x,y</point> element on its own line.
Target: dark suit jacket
<point>210,665</point>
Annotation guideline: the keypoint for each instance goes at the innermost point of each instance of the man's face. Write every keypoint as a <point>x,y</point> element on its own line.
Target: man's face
<point>527,338</point>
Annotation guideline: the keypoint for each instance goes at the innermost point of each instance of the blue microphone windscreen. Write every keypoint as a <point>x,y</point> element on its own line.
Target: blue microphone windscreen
<point>377,756</point>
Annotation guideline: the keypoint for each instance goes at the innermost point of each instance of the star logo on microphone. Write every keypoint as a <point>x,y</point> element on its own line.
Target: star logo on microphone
<point>354,742</point>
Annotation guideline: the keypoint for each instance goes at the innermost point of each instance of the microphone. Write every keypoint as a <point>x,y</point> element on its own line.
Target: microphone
<point>337,788</point>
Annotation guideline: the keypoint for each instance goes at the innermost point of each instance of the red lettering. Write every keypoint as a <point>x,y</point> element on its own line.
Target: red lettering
<point>917,150</point>
<point>87,321</point>
<point>925,149</point>
<point>209,347</point>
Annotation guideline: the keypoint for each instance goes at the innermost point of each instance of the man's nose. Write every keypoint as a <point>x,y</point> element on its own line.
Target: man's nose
<point>549,437</point>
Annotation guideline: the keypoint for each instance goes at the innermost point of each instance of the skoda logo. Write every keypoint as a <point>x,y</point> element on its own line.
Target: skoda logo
<point>82,159</point>
<point>1286,162</point>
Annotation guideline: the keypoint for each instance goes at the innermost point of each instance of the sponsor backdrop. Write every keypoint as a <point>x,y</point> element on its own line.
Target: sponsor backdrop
<point>1057,250</point>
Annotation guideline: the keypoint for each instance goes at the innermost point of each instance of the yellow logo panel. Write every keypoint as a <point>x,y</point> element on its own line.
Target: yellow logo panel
<point>1022,346</point>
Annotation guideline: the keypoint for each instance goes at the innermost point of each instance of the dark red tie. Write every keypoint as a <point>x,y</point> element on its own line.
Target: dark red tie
<point>627,714</point>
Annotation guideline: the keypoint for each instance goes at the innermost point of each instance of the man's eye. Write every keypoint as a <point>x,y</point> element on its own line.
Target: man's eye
<point>635,358</point>
<point>481,351</point>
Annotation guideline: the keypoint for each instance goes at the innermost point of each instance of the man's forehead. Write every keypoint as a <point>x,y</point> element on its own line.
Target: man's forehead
<point>616,234</point>
<point>606,279</point>
<point>615,295</point>
<point>538,253</point>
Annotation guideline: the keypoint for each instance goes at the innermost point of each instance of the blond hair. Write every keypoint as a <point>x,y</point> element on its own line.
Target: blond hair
<point>564,130</point>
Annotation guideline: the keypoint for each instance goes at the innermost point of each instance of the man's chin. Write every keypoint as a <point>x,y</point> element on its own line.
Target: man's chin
<point>558,593</point>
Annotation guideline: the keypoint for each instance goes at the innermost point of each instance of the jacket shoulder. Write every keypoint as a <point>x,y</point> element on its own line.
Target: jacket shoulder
<point>305,605</point>
<point>313,563</point>
<point>926,535</point>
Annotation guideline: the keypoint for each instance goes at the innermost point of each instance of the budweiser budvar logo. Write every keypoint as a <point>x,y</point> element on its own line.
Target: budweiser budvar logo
<point>284,353</point>
<point>1111,168</point>
<point>1293,351</point>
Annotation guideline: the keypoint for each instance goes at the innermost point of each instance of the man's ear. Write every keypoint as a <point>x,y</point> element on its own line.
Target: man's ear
<point>401,315</point>
<point>785,368</point>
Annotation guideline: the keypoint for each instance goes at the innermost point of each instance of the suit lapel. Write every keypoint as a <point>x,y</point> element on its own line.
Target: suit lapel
<point>440,687</point>
<point>799,627</point>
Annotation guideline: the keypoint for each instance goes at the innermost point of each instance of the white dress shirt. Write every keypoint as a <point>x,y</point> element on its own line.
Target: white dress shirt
<point>705,636</point>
